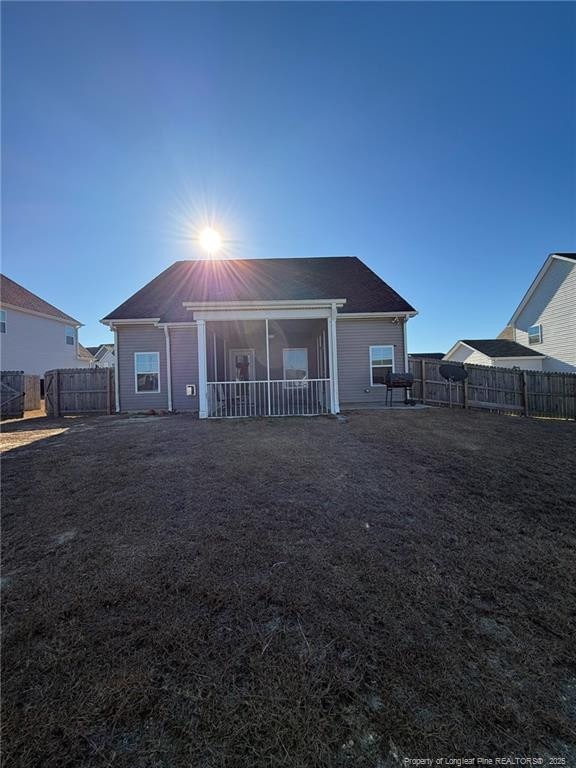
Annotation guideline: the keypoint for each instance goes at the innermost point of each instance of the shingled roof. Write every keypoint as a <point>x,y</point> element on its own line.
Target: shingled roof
<point>501,348</point>
<point>341,277</point>
<point>16,295</point>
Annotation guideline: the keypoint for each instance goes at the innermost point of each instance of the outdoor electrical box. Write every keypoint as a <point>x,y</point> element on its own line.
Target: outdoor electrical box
<point>190,390</point>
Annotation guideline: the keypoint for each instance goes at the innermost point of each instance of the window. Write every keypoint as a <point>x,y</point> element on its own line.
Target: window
<point>2,321</point>
<point>535,334</point>
<point>381,363</point>
<point>147,371</point>
<point>70,335</point>
<point>295,363</point>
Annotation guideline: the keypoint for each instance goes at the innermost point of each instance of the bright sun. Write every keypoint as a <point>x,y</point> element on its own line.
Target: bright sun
<point>210,240</point>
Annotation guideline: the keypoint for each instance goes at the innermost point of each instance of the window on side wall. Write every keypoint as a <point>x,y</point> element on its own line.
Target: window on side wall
<point>147,371</point>
<point>535,334</point>
<point>381,364</point>
<point>70,335</point>
<point>295,364</point>
<point>2,321</point>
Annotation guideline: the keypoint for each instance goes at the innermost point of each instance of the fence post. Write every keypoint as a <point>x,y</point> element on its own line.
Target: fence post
<point>423,363</point>
<point>525,392</point>
<point>465,391</point>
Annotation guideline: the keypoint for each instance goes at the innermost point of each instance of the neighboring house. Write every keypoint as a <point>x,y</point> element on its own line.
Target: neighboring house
<point>85,355</point>
<point>103,356</point>
<point>545,320</point>
<point>541,334</point>
<point>35,336</point>
<point>502,353</point>
<point>259,337</point>
<point>426,355</point>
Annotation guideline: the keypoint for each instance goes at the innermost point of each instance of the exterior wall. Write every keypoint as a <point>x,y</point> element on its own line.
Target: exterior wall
<point>35,344</point>
<point>106,361</point>
<point>354,338</point>
<point>553,305</point>
<point>184,356</point>
<point>140,338</point>
<point>463,354</point>
<point>536,364</point>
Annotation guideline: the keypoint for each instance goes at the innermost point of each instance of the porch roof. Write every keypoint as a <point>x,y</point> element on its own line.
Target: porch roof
<point>225,280</point>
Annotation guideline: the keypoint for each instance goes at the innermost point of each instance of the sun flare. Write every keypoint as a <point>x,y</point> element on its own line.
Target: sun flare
<point>210,240</point>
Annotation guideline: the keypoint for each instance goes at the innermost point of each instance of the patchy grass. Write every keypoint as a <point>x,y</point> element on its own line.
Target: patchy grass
<point>299,592</point>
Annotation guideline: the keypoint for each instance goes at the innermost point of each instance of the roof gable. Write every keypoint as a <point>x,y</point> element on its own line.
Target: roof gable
<point>261,280</point>
<point>15,295</point>
<point>538,279</point>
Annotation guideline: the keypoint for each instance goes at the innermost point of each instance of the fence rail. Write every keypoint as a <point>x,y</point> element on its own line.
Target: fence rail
<point>506,390</point>
<point>79,390</point>
<point>234,399</point>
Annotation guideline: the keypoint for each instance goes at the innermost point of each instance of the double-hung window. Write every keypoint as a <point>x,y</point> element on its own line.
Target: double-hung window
<point>2,321</point>
<point>381,363</point>
<point>295,364</point>
<point>535,334</point>
<point>70,335</point>
<point>147,371</point>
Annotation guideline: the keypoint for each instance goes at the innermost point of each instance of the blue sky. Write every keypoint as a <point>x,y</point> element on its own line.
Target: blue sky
<point>436,141</point>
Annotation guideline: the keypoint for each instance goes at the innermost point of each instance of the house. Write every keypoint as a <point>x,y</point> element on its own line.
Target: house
<point>103,356</point>
<point>545,319</point>
<point>501,353</point>
<point>244,337</point>
<point>541,334</point>
<point>35,336</point>
<point>425,355</point>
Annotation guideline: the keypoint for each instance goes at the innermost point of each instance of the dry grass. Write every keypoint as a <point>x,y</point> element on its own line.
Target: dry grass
<point>298,592</point>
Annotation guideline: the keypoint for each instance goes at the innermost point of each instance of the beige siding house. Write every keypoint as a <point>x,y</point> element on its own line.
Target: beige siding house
<point>541,334</point>
<point>259,337</point>
<point>545,320</point>
<point>36,336</point>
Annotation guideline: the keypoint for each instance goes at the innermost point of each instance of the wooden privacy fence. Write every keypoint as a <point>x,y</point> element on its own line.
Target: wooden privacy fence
<point>12,394</point>
<point>31,392</point>
<point>79,390</point>
<point>506,390</point>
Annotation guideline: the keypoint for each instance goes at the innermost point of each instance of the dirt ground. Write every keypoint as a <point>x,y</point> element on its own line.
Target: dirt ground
<point>298,592</point>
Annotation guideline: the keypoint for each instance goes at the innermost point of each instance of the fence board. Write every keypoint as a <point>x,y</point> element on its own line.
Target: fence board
<point>506,390</point>
<point>31,392</point>
<point>79,390</point>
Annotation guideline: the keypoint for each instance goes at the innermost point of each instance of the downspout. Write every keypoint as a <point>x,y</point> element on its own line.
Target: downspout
<point>202,374</point>
<point>334,361</point>
<point>406,370</point>
<point>116,371</point>
<point>168,367</point>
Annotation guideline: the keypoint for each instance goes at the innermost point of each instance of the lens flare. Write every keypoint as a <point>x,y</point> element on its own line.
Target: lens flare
<point>210,240</point>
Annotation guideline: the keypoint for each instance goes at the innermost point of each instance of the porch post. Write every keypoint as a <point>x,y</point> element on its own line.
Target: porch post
<point>268,367</point>
<point>202,374</point>
<point>333,350</point>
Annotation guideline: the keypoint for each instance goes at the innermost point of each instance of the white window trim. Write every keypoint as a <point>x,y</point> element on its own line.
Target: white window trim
<point>379,346</point>
<point>68,335</point>
<point>147,391</point>
<point>295,382</point>
<point>539,326</point>
<point>4,320</point>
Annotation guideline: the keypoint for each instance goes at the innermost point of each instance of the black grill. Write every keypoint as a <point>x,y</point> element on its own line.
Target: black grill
<point>398,381</point>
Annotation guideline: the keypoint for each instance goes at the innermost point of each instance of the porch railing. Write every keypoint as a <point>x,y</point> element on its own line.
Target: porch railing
<point>282,397</point>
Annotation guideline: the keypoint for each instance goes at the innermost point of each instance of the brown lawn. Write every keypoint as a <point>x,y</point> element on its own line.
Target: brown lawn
<point>299,592</point>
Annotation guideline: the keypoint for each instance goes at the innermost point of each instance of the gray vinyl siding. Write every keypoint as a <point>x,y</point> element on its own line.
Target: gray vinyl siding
<point>140,338</point>
<point>184,356</point>
<point>355,337</point>
<point>553,305</point>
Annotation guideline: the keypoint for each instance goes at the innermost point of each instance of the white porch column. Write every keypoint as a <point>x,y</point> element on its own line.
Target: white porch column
<point>202,371</point>
<point>268,368</point>
<point>333,350</point>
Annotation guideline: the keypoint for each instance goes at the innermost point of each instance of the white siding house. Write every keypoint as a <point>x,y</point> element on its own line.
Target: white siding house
<point>545,320</point>
<point>35,336</point>
<point>501,353</point>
